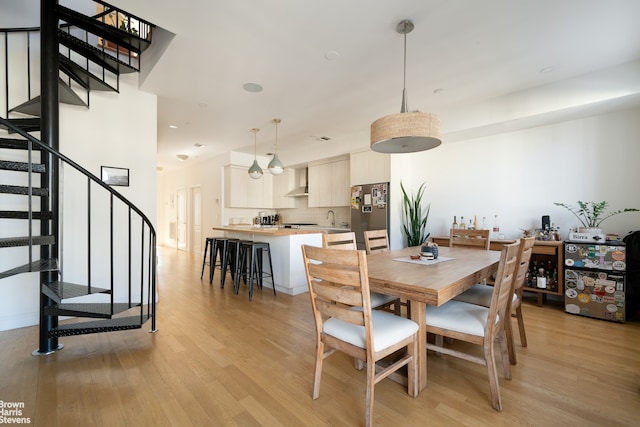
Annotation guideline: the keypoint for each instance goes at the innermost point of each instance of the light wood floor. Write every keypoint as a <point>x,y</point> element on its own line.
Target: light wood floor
<point>218,360</point>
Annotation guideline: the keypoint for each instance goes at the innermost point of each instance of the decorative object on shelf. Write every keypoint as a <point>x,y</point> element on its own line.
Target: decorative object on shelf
<point>592,214</point>
<point>275,165</point>
<point>406,132</point>
<point>415,221</point>
<point>255,171</point>
<point>115,176</point>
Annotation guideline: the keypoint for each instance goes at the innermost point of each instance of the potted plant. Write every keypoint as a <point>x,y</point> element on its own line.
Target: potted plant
<point>592,214</point>
<point>415,219</point>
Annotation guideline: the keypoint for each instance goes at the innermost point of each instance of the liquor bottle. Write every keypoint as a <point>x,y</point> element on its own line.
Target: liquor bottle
<point>470,226</point>
<point>462,226</point>
<point>541,280</point>
<point>484,222</point>
<point>475,222</point>
<point>455,223</point>
<point>496,226</point>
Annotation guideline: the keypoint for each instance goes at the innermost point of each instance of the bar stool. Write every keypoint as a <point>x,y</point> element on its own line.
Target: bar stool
<point>208,246</point>
<point>219,247</point>
<point>251,262</point>
<point>228,259</point>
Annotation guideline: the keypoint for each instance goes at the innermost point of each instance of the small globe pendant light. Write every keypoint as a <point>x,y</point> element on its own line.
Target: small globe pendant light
<point>275,165</point>
<point>255,171</point>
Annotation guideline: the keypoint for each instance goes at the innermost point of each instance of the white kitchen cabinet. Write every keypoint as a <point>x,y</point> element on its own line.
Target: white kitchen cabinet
<point>282,185</point>
<point>340,187</point>
<point>241,191</point>
<point>369,167</point>
<point>329,184</point>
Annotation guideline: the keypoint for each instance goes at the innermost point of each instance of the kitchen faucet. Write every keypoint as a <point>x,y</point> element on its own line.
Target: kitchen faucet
<point>333,217</point>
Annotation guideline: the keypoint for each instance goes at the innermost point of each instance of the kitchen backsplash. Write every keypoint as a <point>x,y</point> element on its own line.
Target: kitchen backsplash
<point>318,216</point>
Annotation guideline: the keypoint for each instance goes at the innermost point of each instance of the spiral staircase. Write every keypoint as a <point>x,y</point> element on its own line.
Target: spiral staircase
<point>114,283</point>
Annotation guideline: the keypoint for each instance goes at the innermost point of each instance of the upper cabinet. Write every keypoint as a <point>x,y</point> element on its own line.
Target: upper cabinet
<point>282,185</point>
<point>241,191</point>
<point>369,167</point>
<point>329,184</point>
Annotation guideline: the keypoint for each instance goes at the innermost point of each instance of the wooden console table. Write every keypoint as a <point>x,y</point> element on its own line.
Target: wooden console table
<point>542,250</point>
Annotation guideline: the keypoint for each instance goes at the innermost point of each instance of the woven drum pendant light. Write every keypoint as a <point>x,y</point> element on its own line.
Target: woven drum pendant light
<point>255,171</point>
<point>275,165</point>
<point>406,132</point>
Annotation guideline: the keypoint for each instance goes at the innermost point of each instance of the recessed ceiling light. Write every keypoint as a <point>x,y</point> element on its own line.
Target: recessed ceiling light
<point>252,87</point>
<point>173,127</point>
<point>331,55</point>
<point>182,157</point>
<point>323,138</point>
<point>197,144</point>
<point>437,91</point>
<point>546,70</point>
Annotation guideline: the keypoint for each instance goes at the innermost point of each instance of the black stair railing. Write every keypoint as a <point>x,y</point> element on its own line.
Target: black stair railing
<point>23,44</point>
<point>124,221</point>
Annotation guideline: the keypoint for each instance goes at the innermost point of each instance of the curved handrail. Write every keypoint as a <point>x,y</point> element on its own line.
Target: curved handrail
<point>76,166</point>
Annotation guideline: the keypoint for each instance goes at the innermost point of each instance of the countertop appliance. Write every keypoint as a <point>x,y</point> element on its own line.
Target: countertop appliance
<point>594,284</point>
<point>369,209</point>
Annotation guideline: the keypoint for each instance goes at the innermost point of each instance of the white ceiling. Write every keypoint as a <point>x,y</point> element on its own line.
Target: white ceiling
<point>485,58</point>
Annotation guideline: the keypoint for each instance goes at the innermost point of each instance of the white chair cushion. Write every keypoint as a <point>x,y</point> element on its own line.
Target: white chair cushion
<point>458,316</point>
<point>388,329</point>
<point>479,294</point>
<point>381,299</point>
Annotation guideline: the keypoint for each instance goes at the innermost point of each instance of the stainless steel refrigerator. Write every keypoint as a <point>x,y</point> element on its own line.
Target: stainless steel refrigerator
<point>369,209</point>
<point>594,284</point>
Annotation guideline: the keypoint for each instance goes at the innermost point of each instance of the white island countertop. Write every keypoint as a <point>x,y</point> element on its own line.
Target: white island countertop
<point>280,231</point>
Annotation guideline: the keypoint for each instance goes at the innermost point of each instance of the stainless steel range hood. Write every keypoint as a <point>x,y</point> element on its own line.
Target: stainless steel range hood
<point>302,190</point>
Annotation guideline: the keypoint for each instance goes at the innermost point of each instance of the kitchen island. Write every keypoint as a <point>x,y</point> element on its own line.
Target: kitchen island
<point>285,243</point>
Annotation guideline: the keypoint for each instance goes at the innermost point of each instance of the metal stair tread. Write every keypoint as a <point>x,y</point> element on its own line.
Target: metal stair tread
<point>22,166</point>
<point>39,265</point>
<point>18,189</point>
<point>31,124</point>
<point>15,143</point>
<point>12,242</point>
<point>37,215</point>
<point>98,326</point>
<point>123,38</point>
<point>90,309</point>
<point>83,77</point>
<point>67,96</point>
<point>58,290</point>
<point>94,54</point>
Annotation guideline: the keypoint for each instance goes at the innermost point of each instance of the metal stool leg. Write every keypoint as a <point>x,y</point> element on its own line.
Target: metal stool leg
<point>207,247</point>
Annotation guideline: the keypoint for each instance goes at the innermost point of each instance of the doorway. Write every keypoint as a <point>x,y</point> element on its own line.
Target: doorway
<point>181,218</point>
<point>195,220</point>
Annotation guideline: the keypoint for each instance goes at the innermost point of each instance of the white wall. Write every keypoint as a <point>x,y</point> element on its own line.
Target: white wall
<point>118,130</point>
<point>519,175</point>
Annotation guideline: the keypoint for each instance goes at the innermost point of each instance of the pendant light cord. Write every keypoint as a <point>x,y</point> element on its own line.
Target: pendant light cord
<point>403,108</point>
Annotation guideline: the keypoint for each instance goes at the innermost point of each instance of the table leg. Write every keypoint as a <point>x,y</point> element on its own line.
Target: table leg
<point>419,315</point>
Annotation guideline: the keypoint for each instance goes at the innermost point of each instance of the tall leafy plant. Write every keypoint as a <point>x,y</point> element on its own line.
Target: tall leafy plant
<point>415,216</point>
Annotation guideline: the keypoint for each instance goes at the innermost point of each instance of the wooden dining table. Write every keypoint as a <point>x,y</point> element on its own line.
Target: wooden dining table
<point>432,284</point>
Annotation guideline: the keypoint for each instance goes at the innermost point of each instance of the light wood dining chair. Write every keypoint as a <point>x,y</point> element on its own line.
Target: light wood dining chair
<point>339,290</point>
<point>473,238</point>
<point>479,325</point>
<point>376,241</point>
<point>481,295</point>
<point>347,240</point>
